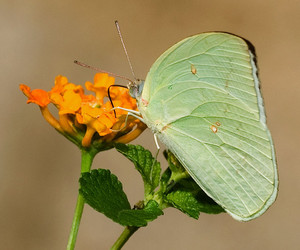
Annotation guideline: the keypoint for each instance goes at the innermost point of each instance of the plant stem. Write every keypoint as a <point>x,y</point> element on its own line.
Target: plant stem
<point>126,234</point>
<point>76,222</point>
<point>86,163</point>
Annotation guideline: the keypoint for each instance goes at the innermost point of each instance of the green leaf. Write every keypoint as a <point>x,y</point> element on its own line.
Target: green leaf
<point>207,204</point>
<point>145,163</point>
<point>188,197</point>
<point>103,192</point>
<point>174,164</point>
<point>185,202</point>
<point>183,193</point>
<point>164,180</point>
<point>140,218</point>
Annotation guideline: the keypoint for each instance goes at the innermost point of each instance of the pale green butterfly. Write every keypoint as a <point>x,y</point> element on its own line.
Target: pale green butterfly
<point>202,99</point>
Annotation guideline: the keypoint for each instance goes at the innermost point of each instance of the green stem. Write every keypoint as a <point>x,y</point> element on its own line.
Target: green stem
<point>126,234</point>
<point>86,163</point>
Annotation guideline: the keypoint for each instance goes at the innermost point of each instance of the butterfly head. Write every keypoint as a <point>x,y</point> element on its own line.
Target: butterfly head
<point>135,88</point>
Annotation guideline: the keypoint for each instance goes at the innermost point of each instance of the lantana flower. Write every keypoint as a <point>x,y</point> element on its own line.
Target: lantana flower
<point>89,120</point>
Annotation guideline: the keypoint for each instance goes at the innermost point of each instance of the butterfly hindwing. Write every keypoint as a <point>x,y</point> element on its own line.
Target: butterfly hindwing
<point>202,98</point>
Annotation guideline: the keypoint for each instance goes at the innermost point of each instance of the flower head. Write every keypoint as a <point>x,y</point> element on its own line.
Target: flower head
<point>89,120</point>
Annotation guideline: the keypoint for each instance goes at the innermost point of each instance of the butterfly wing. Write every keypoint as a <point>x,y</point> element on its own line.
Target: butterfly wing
<point>202,98</point>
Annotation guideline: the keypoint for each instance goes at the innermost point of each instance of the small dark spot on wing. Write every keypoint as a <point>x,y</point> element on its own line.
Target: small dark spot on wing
<point>193,69</point>
<point>214,128</point>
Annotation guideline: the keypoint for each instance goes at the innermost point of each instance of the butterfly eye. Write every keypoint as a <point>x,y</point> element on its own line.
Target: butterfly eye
<point>140,87</point>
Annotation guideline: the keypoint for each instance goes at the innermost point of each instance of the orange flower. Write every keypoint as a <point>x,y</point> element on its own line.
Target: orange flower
<point>88,120</point>
<point>68,103</point>
<point>37,96</point>
<point>100,86</point>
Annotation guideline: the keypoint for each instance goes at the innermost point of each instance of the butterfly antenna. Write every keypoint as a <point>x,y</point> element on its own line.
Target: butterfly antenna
<point>100,70</point>
<point>125,50</point>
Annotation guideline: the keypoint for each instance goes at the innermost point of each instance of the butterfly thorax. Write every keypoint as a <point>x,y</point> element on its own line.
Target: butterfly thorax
<point>136,89</point>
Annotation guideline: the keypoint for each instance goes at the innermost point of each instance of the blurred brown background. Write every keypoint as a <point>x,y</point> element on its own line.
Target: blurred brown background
<point>39,168</point>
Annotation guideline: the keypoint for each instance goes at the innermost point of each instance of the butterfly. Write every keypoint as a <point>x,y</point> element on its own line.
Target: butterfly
<point>202,99</point>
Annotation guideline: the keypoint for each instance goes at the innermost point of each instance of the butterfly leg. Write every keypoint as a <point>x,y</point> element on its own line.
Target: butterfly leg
<point>133,113</point>
<point>156,142</point>
<point>128,110</point>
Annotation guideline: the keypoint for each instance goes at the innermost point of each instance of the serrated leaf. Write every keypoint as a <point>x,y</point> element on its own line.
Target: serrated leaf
<point>188,197</point>
<point>103,192</point>
<point>207,204</point>
<point>140,218</point>
<point>185,202</point>
<point>144,162</point>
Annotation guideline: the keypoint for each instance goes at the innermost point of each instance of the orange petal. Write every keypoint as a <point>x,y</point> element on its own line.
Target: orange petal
<point>60,82</point>
<point>102,81</point>
<point>56,98</point>
<point>89,113</point>
<point>71,103</point>
<point>37,96</point>
<point>107,120</point>
<point>133,134</point>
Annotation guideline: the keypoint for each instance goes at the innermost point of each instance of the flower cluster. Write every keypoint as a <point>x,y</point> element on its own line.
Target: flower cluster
<point>89,119</point>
